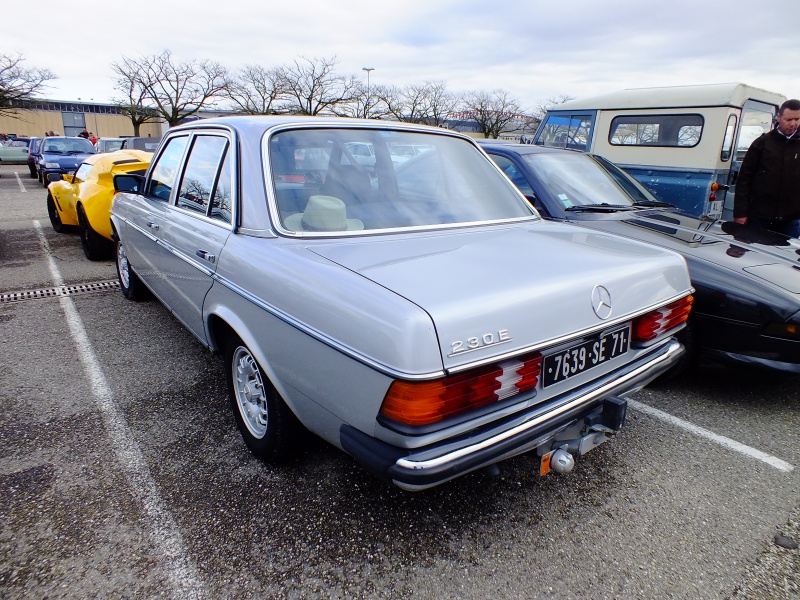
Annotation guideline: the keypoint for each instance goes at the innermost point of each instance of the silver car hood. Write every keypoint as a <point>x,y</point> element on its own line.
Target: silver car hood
<point>482,287</point>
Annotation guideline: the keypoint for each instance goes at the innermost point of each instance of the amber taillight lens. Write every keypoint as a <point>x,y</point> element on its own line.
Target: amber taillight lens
<point>653,324</point>
<point>427,402</point>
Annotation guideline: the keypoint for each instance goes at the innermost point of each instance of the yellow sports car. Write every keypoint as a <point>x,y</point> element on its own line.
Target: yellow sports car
<point>83,200</point>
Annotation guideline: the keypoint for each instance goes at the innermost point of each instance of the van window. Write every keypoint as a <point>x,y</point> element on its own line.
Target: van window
<point>565,131</point>
<point>757,118</point>
<point>673,131</point>
<point>727,143</point>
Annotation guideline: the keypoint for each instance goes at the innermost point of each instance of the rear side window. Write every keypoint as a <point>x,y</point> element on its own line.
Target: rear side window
<point>206,183</point>
<point>671,131</point>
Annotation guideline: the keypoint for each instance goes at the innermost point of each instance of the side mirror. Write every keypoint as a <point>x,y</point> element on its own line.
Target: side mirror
<point>51,177</point>
<point>133,184</point>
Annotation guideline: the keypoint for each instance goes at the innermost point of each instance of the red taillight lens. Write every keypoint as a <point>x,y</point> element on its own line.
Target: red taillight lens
<point>426,402</point>
<point>653,324</point>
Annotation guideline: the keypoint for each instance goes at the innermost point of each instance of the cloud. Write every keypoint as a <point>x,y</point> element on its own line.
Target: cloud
<point>534,49</point>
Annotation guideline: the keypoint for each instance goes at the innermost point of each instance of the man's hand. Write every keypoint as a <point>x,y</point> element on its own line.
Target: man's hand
<point>741,220</point>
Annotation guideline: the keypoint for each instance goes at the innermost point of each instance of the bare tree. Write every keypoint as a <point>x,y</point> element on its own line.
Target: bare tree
<point>437,102</point>
<point>177,90</point>
<point>312,87</point>
<point>492,111</point>
<point>541,109</point>
<point>19,83</point>
<point>129,82</point>
<point>366,104</point>
<point>258,90</point>
<point>430,102</point>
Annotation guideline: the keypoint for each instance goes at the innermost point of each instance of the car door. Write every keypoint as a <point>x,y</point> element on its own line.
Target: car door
<point>146,213</point>
<point>196,227</point>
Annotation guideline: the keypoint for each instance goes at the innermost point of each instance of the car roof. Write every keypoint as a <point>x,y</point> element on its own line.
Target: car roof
<point>258,124</point>
<point>522,148</point>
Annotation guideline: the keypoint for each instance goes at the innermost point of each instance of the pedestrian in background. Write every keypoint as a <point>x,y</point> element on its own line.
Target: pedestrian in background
<point>84,134</point>
<point>768,187</point>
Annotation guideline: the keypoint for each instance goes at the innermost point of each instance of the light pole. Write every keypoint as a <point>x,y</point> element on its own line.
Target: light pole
<point>366,104</point>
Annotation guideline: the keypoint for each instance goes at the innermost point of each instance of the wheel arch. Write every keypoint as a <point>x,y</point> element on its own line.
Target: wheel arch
<point>224,324</point>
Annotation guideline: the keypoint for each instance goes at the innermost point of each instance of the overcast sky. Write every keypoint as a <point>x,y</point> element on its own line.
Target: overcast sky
<point>533,49</point>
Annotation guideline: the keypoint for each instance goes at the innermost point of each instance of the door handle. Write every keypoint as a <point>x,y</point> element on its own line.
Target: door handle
<point>206,255</point>
<point>152,225</point>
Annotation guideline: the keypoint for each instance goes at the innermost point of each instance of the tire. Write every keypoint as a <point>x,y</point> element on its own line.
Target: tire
<point>129,283</point>
<point>95,246</point>
<point>55,218</point>
<point>268,426</point>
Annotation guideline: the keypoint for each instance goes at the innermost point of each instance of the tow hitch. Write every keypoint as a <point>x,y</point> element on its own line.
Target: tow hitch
<point>588,433</point>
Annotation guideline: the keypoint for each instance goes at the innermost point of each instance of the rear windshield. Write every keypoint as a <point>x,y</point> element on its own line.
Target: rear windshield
<point>360,179</point>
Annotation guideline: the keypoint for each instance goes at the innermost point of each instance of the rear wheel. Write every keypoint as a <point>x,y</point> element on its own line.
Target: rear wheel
<point>55,218</point>
<point>95,246</point>
<point>268,426</point>
<point>129,283</point>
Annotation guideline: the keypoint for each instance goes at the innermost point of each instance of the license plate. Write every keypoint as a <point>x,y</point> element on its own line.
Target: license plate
<point>579,358</point>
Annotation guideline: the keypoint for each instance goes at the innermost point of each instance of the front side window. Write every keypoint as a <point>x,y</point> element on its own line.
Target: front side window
<point>165,170</point>
<point>678,131</point>
<point>512,172</point>
<point>566,131</point>
<point>321,186</point>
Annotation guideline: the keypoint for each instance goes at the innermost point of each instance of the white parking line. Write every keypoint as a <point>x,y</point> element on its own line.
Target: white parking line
<point>182,573</point>
<point>19,181</point>
<point>772,461</point>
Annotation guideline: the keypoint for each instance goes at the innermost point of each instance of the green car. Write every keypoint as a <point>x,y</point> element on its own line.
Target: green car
<point>11,153</point>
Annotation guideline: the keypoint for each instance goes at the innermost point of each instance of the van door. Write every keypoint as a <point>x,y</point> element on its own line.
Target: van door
<point>757,118</point>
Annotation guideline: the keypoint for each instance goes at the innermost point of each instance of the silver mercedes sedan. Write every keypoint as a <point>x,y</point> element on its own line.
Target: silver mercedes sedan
<point>417,314</point>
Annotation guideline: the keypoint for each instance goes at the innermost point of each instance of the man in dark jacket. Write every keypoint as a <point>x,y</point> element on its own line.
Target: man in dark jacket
<point>768,187</point>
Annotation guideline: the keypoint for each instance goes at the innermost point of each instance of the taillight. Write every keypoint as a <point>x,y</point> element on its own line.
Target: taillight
<point>653,324</point>
<point>426,402</point>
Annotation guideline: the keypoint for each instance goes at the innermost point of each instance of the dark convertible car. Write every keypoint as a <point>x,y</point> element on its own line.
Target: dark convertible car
<point>747,281</point>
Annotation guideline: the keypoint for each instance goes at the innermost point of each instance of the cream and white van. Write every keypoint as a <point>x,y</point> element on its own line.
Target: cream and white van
<point>685,144</point>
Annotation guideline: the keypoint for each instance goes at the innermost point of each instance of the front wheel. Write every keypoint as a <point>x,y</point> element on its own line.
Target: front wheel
<point>129,283</point>
<point>55,218</point>
<point>268,426</point>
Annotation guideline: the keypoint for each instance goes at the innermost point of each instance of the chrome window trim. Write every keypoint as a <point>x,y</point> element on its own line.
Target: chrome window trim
<point>192,131</point>
<point>272,199</point>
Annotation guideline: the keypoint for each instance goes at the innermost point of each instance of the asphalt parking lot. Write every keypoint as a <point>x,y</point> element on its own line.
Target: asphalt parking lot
<point>123,474</point>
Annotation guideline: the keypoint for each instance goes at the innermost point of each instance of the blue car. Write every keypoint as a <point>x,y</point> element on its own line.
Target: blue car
<point>62,155</point>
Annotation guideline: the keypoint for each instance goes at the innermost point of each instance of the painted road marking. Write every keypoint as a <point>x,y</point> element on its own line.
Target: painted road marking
<point>19,181</point>
<point>772,461</point>
<point>182,573</point>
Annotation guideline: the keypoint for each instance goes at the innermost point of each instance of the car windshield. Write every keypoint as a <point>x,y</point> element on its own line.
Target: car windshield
<point>578,180</point>
<point>67,146</point>
<point>324,183</point>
